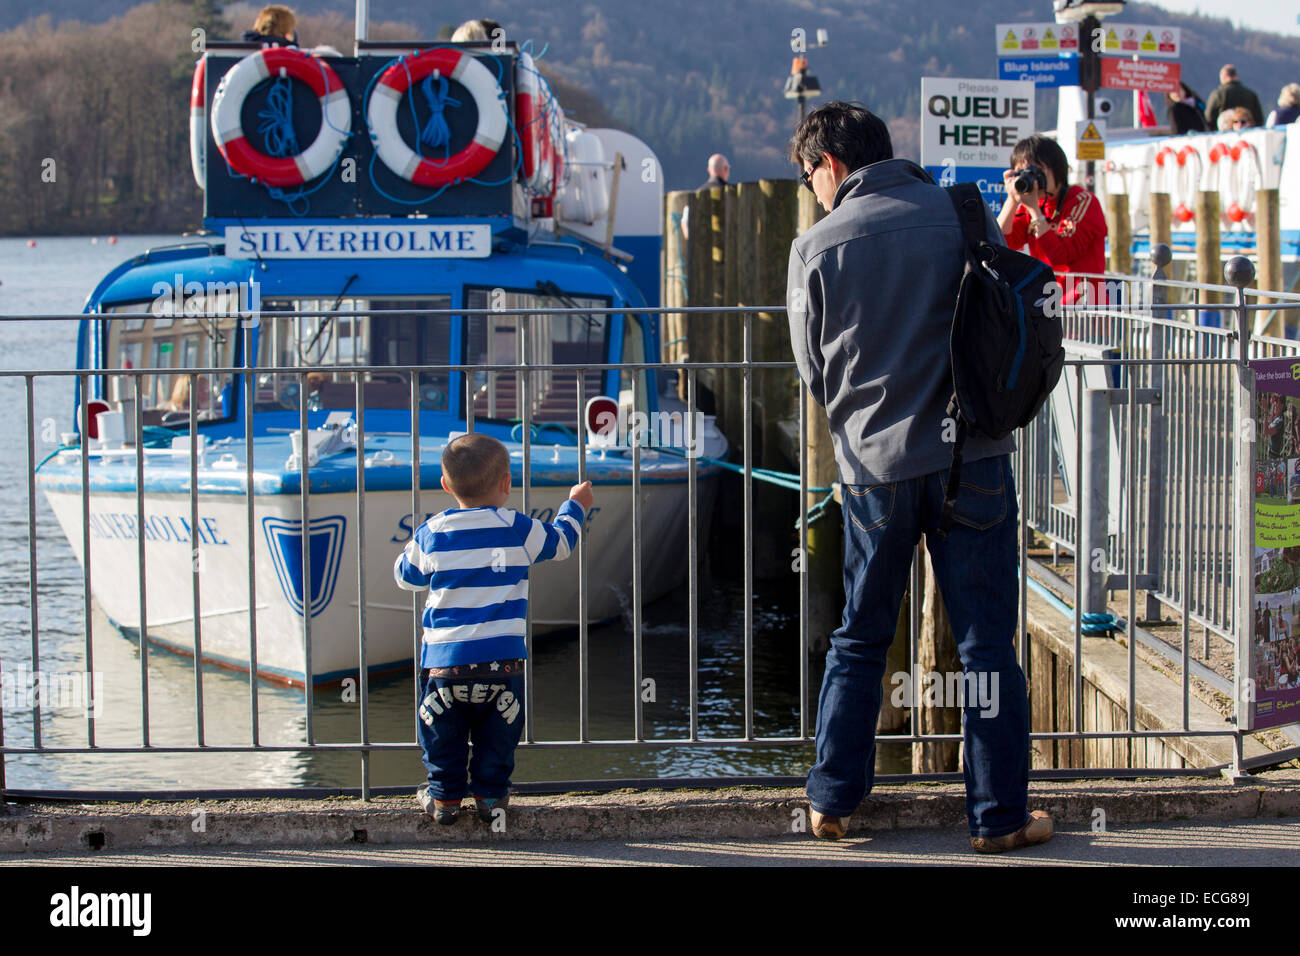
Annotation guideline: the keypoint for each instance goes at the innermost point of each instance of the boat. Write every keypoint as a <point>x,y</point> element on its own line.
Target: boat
<point>377,197</point>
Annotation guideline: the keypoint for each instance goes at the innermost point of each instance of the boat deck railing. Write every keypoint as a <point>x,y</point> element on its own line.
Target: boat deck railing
<point>1149,407</point>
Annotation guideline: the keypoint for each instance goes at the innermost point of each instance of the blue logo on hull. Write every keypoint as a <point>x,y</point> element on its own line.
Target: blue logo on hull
<point>284,541</point>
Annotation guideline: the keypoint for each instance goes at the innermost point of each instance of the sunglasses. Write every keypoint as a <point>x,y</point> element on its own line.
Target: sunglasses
<point>806,176</point>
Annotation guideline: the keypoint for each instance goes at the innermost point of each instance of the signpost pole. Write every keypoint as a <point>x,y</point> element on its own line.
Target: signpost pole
<point>1090,80</point>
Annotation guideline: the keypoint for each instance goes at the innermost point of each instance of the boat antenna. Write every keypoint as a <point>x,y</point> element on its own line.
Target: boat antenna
<point>246,234</point>
<point>363,25</point>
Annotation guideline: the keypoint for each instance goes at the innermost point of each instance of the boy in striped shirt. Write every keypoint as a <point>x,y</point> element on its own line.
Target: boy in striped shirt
<point>474,560</point>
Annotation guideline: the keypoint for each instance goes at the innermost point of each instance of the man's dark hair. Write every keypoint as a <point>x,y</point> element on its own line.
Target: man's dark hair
<point>473,465</point>
<point>1044,153</point>
<point>853,135</point>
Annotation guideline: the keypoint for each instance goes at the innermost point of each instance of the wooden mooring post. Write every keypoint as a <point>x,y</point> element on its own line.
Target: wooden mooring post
<point>1268,237</point>
<point>1209,264</point>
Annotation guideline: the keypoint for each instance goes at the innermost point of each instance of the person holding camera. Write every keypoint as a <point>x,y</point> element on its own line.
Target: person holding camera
<point>1062,225</point>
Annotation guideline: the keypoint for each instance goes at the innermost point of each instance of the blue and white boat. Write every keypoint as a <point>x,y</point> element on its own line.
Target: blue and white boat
<point>512,207</point>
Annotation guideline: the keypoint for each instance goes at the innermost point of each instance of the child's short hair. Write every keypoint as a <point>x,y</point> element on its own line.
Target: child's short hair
<point>473,465</point>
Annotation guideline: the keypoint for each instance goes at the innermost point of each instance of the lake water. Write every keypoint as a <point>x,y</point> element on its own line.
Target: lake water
<point>55,277</point>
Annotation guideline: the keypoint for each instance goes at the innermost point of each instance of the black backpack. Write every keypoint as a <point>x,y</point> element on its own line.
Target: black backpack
<point>1006,351</point>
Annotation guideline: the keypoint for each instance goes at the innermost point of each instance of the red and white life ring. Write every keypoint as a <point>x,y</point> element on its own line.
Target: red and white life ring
<point>335,126</point>
<point>381,116</point>
<point>199,124</point>
<point>531,121</point>
<point>1236,179</point>
<point>1182,168</point>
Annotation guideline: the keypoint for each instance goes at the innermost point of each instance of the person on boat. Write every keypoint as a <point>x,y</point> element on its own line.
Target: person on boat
<point>474,559</point>
<point>478,31</point>
<point>275,25</point>
<point>1231,94</point>
<point>870,293</point>
<point>1288,106</point>
<point>1062,225</point>
<point>1186,111</point>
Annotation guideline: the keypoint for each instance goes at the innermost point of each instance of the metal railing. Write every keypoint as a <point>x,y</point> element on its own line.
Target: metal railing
<point>1194,363</point>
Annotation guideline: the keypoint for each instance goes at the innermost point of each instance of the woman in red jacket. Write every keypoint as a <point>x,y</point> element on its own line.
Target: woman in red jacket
<point>1063,225</point>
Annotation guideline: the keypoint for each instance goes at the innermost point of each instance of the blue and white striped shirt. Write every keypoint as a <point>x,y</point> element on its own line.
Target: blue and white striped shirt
<point>474,561</point>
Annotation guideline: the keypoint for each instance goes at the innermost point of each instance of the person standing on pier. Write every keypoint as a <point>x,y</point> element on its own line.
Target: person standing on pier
<point>871,292</point>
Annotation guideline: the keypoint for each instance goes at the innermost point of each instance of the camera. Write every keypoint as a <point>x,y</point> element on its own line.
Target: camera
<point>1029,179</point>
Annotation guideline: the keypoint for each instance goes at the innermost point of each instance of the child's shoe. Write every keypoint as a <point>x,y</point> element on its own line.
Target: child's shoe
<point>444,811</point>
<point>486,806</point>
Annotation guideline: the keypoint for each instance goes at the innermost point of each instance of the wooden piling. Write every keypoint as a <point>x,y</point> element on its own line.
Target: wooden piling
<point>1209,262</point>
<point>936,651</point>
<point>1162,222</point>
<point>1268,236</point>
<point>699,285</point>
<point>673,286</point>
<point>1119,231</point>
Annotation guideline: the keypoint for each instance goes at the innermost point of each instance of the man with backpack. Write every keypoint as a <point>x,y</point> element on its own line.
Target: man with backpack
<point>871,294</point>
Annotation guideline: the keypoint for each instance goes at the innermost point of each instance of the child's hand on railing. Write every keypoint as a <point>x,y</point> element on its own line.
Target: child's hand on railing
<point>582,495</point>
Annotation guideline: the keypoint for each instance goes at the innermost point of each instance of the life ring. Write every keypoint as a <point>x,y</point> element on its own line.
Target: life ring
<point>532,120</point>
<point>335,126</point>
<point>381,116</point>
<point>199,124</point>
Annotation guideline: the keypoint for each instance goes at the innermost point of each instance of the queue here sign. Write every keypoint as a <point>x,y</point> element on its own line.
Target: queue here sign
<point>969,127</point>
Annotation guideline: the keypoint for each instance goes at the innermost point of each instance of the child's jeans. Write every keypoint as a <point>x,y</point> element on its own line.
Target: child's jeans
<point>489,710</point>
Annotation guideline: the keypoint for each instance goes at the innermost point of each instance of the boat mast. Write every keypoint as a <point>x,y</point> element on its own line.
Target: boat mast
<point>363,25</point>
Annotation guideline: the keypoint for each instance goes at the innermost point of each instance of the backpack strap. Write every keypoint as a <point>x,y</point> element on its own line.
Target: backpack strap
<point>954,475</point>
<point>969,203</point>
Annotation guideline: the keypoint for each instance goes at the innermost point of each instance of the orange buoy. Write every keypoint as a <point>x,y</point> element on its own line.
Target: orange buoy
<point>112,240</point>
<point>31,243</point>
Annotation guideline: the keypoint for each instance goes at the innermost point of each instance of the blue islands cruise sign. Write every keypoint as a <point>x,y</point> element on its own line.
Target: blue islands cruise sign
<point>284,541</point>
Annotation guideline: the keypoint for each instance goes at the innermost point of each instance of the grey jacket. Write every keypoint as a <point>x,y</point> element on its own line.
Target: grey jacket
<point>871,292</point>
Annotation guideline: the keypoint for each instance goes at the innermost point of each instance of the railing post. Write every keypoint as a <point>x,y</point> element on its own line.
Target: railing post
<point>1240,273</point>
<point>1157,452</point>
<point>1094,501</point>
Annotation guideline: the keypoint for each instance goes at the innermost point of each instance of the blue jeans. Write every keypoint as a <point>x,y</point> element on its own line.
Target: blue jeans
<point>976,572</point>
<point>452,711</point>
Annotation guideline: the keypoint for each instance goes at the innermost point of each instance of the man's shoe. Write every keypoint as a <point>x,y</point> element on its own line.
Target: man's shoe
<point>1037,829</point>
<point>487,806</point>
<point>444,811</point>
<point>826,827</point>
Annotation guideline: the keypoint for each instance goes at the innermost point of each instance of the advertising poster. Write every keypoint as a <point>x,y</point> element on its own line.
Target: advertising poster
<point>1275,646</point>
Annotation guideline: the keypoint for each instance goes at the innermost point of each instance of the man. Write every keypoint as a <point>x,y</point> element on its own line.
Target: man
<point>1230,94</point>
<point>719,169</point>
<point>871,291</point>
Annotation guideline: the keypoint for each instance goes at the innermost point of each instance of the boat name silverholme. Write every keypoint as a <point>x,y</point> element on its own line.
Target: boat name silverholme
<point>122,527</point>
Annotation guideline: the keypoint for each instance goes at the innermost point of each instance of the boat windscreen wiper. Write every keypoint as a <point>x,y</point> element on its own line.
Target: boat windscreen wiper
<point>547,287</point>
<point>326,321</point>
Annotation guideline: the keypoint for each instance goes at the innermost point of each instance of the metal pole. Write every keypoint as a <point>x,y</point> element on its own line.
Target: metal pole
<point>31,563</point>
<point>196,556</point>
<point>634,435</point>
<point>304,490</point>
<point>249,364</point>
<point>693,560</point>
<point>1239,272</point>
<point>584,672</point>
<point>141,576</point>
<point>85,549</point>
<point>1094,498</point>
<point>417,519</point>
<point>363,676</point>
<point>749,524</point>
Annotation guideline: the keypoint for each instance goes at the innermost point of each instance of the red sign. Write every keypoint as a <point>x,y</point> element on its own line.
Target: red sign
<point>1167,42</point>
<point>1069,41</point>
<point>1129,40</point>
<point>1146,76</point>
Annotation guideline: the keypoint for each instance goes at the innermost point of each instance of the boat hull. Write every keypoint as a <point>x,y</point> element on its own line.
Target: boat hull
<point>217,557</point>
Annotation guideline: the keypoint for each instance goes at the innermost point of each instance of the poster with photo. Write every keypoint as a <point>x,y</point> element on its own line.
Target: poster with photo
<point>1275,646</point>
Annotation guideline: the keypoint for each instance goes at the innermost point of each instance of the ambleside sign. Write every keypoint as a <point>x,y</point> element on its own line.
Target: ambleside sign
<point>359,239</point>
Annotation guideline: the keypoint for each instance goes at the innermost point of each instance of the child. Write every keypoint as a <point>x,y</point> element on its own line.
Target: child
<point>474,559</point>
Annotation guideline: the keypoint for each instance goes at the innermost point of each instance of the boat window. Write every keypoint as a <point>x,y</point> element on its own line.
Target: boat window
<point>551,340</point>
<point>633,351</point>
<point>329,342</point>
<point>171,346</point>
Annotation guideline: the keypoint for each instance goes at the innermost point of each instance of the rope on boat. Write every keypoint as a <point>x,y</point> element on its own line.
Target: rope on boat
<point>277,119</point>
<point>436,132</point>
